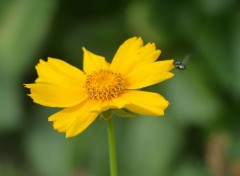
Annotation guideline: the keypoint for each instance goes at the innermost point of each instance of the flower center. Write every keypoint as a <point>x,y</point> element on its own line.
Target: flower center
<point>104,85</point>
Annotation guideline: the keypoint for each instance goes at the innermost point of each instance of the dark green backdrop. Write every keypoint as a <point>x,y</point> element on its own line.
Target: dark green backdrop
<point>199,134</point>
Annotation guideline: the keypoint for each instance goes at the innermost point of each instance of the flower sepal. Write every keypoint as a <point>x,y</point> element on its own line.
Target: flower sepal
<point>125,113</point>
<point>106,115</point>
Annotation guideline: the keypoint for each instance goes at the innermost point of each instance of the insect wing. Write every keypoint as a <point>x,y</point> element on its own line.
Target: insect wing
<point>185,59</point>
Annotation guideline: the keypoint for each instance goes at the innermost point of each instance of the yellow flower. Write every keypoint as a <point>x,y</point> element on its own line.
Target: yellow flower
<point>101,85</point>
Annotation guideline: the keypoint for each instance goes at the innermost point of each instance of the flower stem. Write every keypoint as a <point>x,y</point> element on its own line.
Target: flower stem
<point>112,148</point>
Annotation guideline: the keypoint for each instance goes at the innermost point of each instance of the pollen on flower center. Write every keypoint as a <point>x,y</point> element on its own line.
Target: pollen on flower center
<point>104,85</point>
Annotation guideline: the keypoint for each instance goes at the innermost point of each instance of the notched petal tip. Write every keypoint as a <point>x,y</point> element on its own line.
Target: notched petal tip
<point>132,38</point>
<point>87,52</point>
<point>145,103</point>
<point>93,62</point>
<point>67,136</point>
<point>171,75</point>
<point>132,41</point>
<point>25,85</point>
<point>171,62</point>
<point>50,58</point>
<point>30,95</point>
<point>158,52</point>
<point>29,86</point>
<point>50,119</point>
<point>168,64</point>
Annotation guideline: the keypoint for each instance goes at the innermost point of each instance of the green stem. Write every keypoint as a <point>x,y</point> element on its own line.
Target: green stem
<point>112,148</point>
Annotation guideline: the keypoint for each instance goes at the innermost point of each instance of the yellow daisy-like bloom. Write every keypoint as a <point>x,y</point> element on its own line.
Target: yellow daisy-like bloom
<point>101,85</point>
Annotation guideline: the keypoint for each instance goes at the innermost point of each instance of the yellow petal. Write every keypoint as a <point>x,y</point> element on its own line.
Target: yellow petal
<point>93,62</point>
<point>148,54</point>
<point>56,95</point>
<point>117,103</point>
<point>75,119</point>
<point>58,72</point>
<point>149,74</point>
<point>145,103</point>
<point>59,84</point>
<point>132,54</point>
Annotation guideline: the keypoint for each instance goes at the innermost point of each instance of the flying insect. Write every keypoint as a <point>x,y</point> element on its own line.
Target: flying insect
<point>180,65</point>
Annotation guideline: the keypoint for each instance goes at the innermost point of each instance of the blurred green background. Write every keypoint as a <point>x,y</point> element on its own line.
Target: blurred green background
<point>199,135</point>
